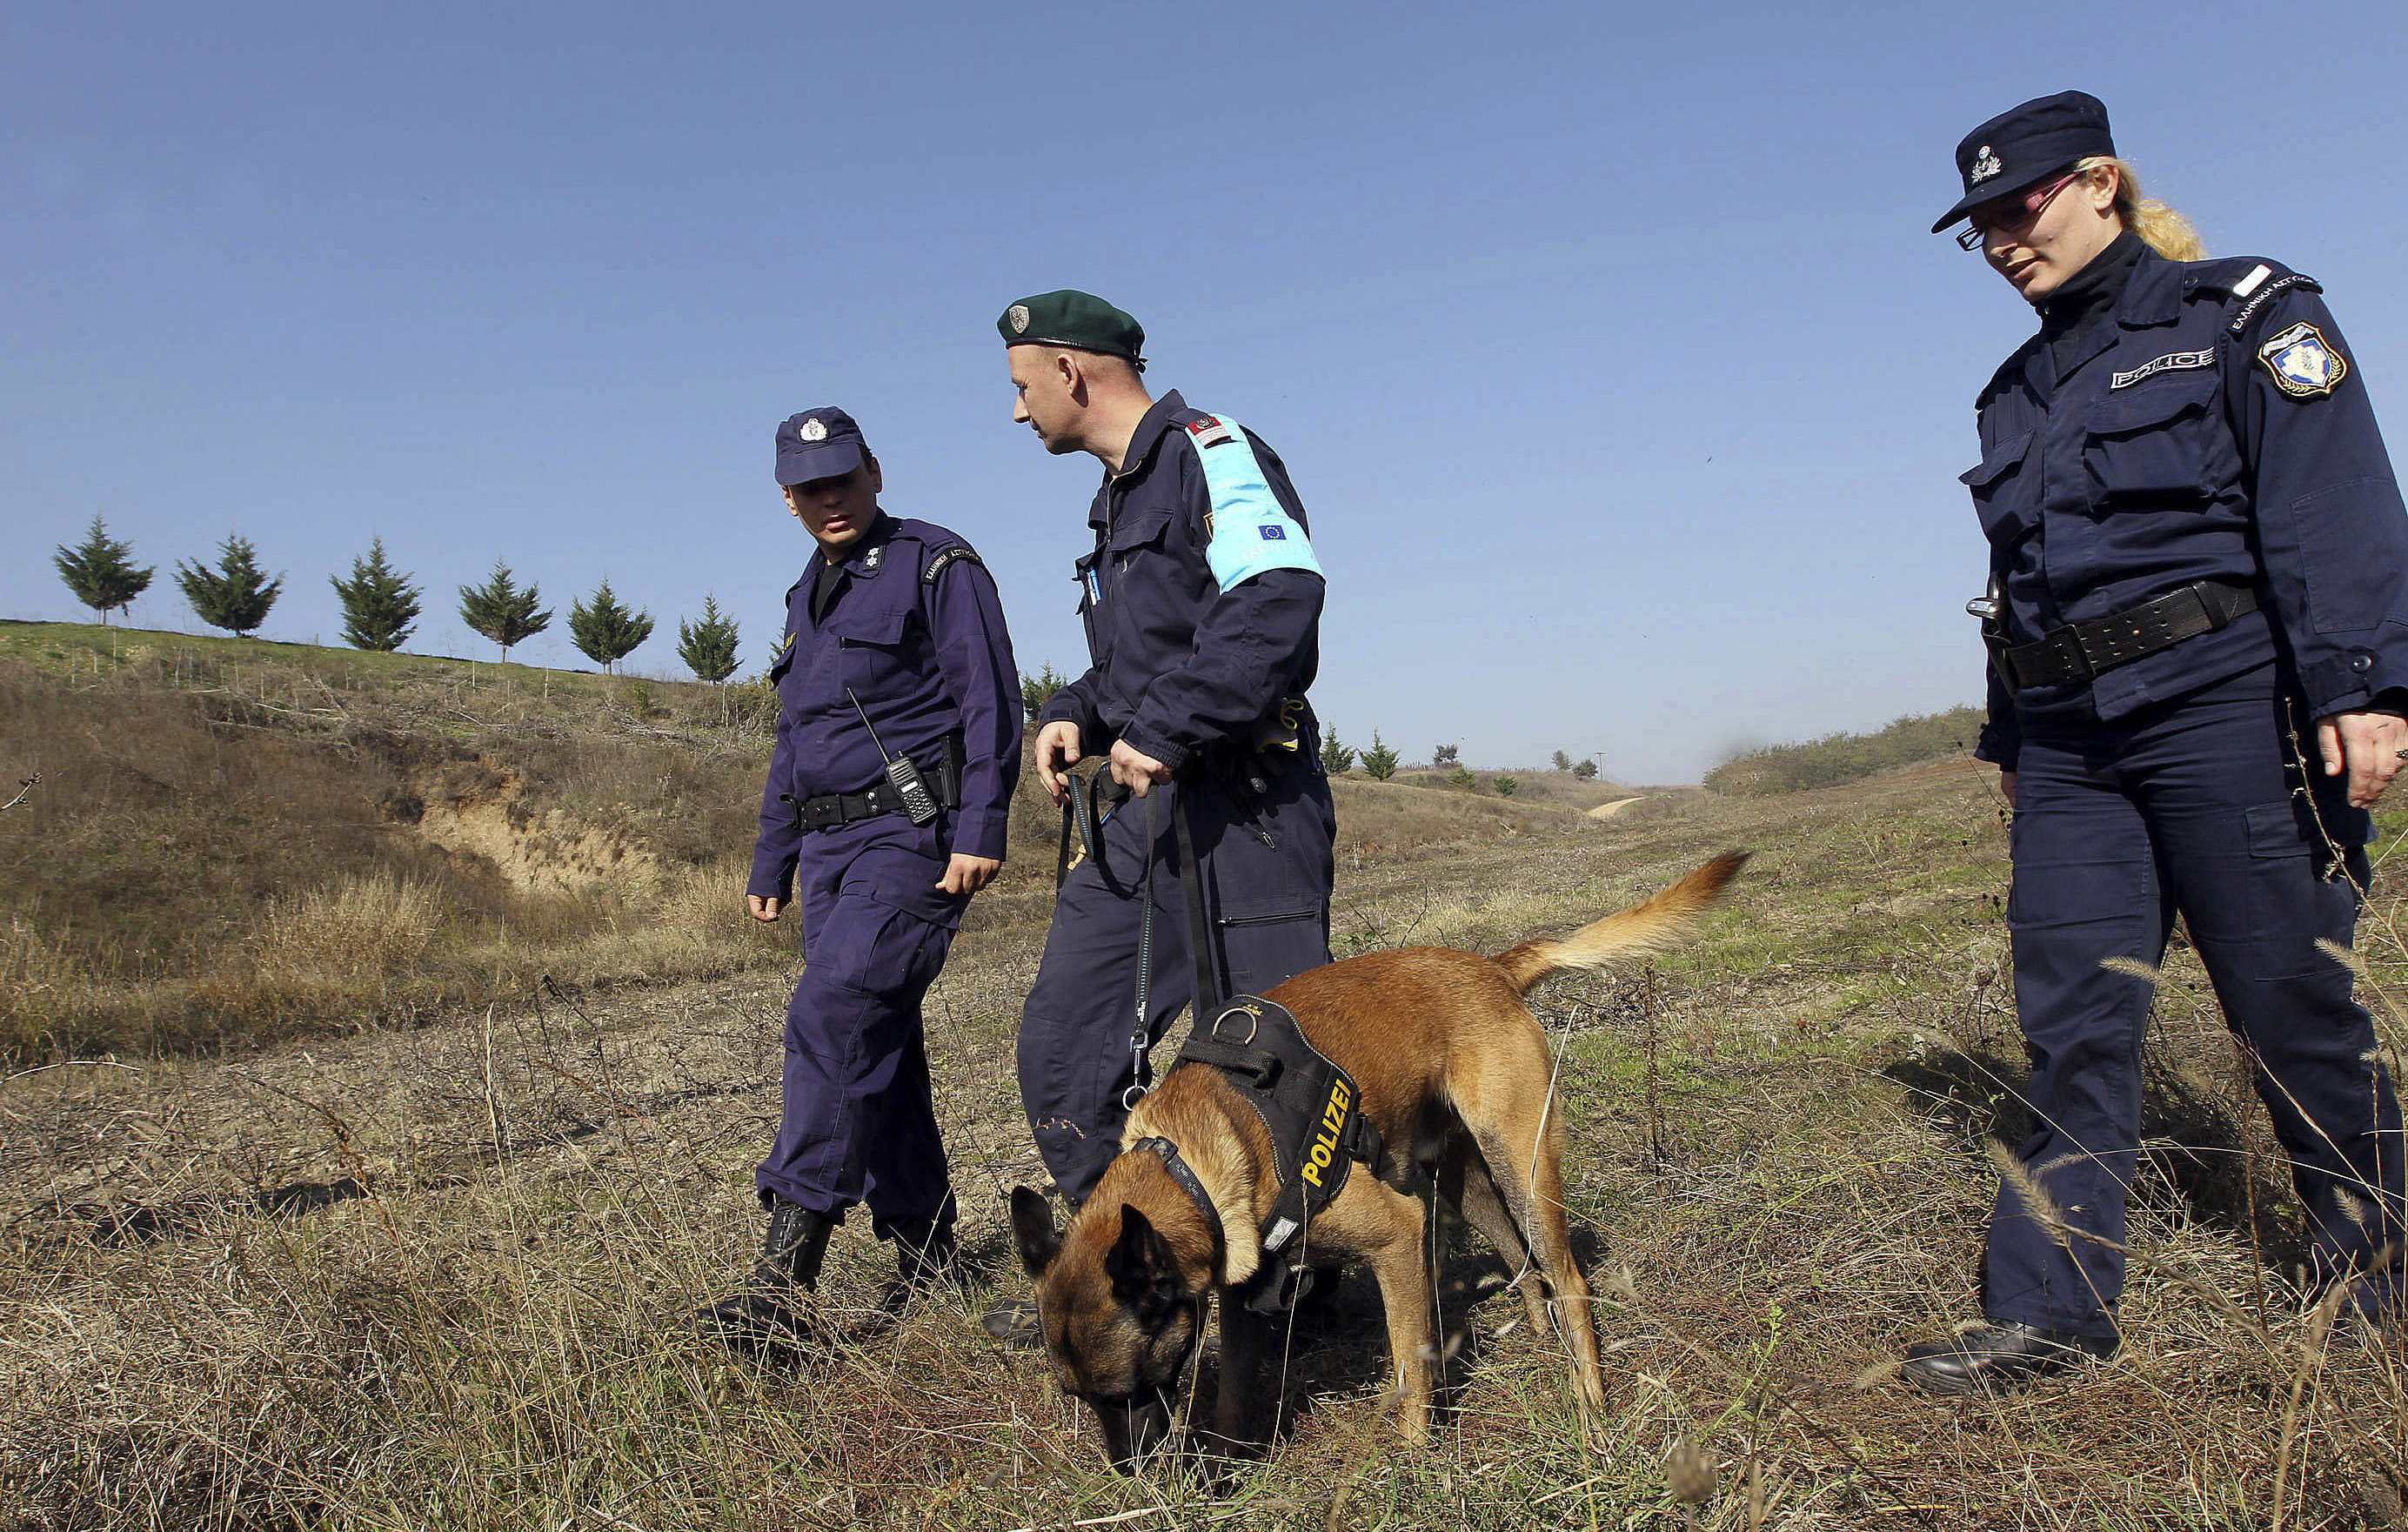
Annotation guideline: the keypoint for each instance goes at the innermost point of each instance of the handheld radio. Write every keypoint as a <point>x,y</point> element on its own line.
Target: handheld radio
<point>919,804</point>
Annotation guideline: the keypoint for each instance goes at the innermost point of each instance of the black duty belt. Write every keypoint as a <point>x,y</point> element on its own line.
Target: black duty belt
<point>944,779</point>
<point>2080,650</point>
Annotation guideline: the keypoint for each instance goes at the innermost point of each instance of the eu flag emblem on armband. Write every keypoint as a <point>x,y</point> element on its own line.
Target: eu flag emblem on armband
<point>1274,534</point>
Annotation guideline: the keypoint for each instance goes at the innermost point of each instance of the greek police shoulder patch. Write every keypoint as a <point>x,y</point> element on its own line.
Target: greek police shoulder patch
<point>946,558</point>
<point>2302,363</point>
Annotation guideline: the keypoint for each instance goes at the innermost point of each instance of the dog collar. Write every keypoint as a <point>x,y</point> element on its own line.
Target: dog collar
<point>1181,1172</point>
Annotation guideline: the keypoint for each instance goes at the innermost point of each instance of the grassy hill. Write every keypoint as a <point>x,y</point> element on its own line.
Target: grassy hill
<point>233,839</point>
<point>1837,758</point>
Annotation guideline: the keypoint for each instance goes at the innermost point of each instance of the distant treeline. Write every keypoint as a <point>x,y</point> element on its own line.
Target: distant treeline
<point>1844,758</point>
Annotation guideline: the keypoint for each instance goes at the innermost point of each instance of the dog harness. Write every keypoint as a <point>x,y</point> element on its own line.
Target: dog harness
<point>1313,1113</point>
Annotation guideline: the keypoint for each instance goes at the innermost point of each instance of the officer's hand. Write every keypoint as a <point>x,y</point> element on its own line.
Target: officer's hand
<point>1135,769</point>
<point>2367,746</point>
<point>764,911</point>
<point>2007,787</point>
<point>969,874</point>
<point>1057,752</point>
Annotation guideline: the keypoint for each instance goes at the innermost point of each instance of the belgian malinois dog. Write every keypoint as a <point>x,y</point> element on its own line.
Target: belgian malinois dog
<point>1452,1066</point>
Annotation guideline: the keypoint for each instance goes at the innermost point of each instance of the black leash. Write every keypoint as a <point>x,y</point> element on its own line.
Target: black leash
<point>1199,939</point>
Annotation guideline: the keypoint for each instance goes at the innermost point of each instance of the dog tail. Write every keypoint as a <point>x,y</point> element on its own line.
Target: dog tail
<point>1643,928</point>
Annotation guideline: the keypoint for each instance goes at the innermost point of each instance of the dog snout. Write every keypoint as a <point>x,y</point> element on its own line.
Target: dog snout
<point>1133,1429</point>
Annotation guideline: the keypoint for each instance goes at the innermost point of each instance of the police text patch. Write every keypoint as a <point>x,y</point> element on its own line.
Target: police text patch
<point>2170,362</point>
<point>2302,363</point>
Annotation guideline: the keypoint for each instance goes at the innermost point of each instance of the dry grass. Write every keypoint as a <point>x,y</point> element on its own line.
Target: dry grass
<point>438,1278</point>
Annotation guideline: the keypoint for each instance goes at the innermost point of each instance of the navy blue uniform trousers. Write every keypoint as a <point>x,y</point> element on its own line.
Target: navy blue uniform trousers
<point>859,1121</point>
<point>2193,805</point>
<point>1266,869</point>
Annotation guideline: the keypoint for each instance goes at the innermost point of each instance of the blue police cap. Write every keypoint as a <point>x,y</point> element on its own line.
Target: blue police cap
<point>819,444</point>
<point>2020,149</point>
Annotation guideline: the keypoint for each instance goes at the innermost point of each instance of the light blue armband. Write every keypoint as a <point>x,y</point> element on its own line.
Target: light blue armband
<point>1249,532</point>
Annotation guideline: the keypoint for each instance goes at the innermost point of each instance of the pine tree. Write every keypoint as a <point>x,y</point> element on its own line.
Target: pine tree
<point>708,647</point>
<point>499,611</point>
<point>1507,786</point>
<point>1336,759</point>
<point>380,604</point>
<point>1443,754</point>
<point>603,630</point>
<point>1038,690</point>
<point>1562,762</point>
<point>101,572</point>
<point>1380,761</point>
<point>1585,771</point>
<point>236,594</point>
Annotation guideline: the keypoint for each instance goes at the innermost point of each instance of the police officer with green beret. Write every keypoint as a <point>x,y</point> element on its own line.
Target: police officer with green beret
<point>1201,597</point>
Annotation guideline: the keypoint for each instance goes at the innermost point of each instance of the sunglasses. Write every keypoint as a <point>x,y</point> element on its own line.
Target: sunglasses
<point>2026,207</point>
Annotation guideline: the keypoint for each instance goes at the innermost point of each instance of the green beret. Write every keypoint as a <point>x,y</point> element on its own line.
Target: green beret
<point>1079,322</point>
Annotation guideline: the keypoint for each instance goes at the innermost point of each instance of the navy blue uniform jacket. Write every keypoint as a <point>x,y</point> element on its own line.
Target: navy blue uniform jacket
<point>1202,597</point>
<point>928,657</point>
<point>2178,446</point>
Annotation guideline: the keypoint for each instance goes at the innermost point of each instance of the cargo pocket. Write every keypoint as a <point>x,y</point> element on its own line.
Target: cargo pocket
<point>2002,497</point>
<point>2298,826</point>
<point>2150,447</point>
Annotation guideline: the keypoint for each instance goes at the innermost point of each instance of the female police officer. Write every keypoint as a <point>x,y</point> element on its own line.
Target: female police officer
<point>2199,629</point>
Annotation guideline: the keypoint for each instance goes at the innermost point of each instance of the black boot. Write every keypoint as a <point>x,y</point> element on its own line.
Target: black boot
<point>927,1257</point>
<point>772,1319</point>
<point>1998,1358</point>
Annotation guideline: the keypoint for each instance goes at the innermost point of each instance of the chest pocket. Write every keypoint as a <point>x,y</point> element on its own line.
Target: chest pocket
<point>873,649</point>
<point>1133,531</point>
<point>2154,444</point>
<point>2004,491</point>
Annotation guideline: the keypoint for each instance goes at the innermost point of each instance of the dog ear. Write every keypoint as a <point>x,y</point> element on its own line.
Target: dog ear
<point>1032,1231</point>
<point>1143,1269</point>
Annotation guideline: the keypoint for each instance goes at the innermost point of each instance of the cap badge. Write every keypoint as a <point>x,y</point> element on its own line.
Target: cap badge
<point>813,429</point>
<point>1986,165</point>
<point>1017,316</point>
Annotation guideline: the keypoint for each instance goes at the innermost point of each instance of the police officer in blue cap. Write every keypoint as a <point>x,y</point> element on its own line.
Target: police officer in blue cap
<point>2197,623</point>
<point>1202,603</point>
<point>899,745</point>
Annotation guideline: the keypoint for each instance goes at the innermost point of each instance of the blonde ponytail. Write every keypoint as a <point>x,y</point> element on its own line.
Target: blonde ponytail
<point>2160,228</point>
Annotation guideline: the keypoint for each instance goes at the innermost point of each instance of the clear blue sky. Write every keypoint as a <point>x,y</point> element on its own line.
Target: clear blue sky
<point>1606,345</point>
